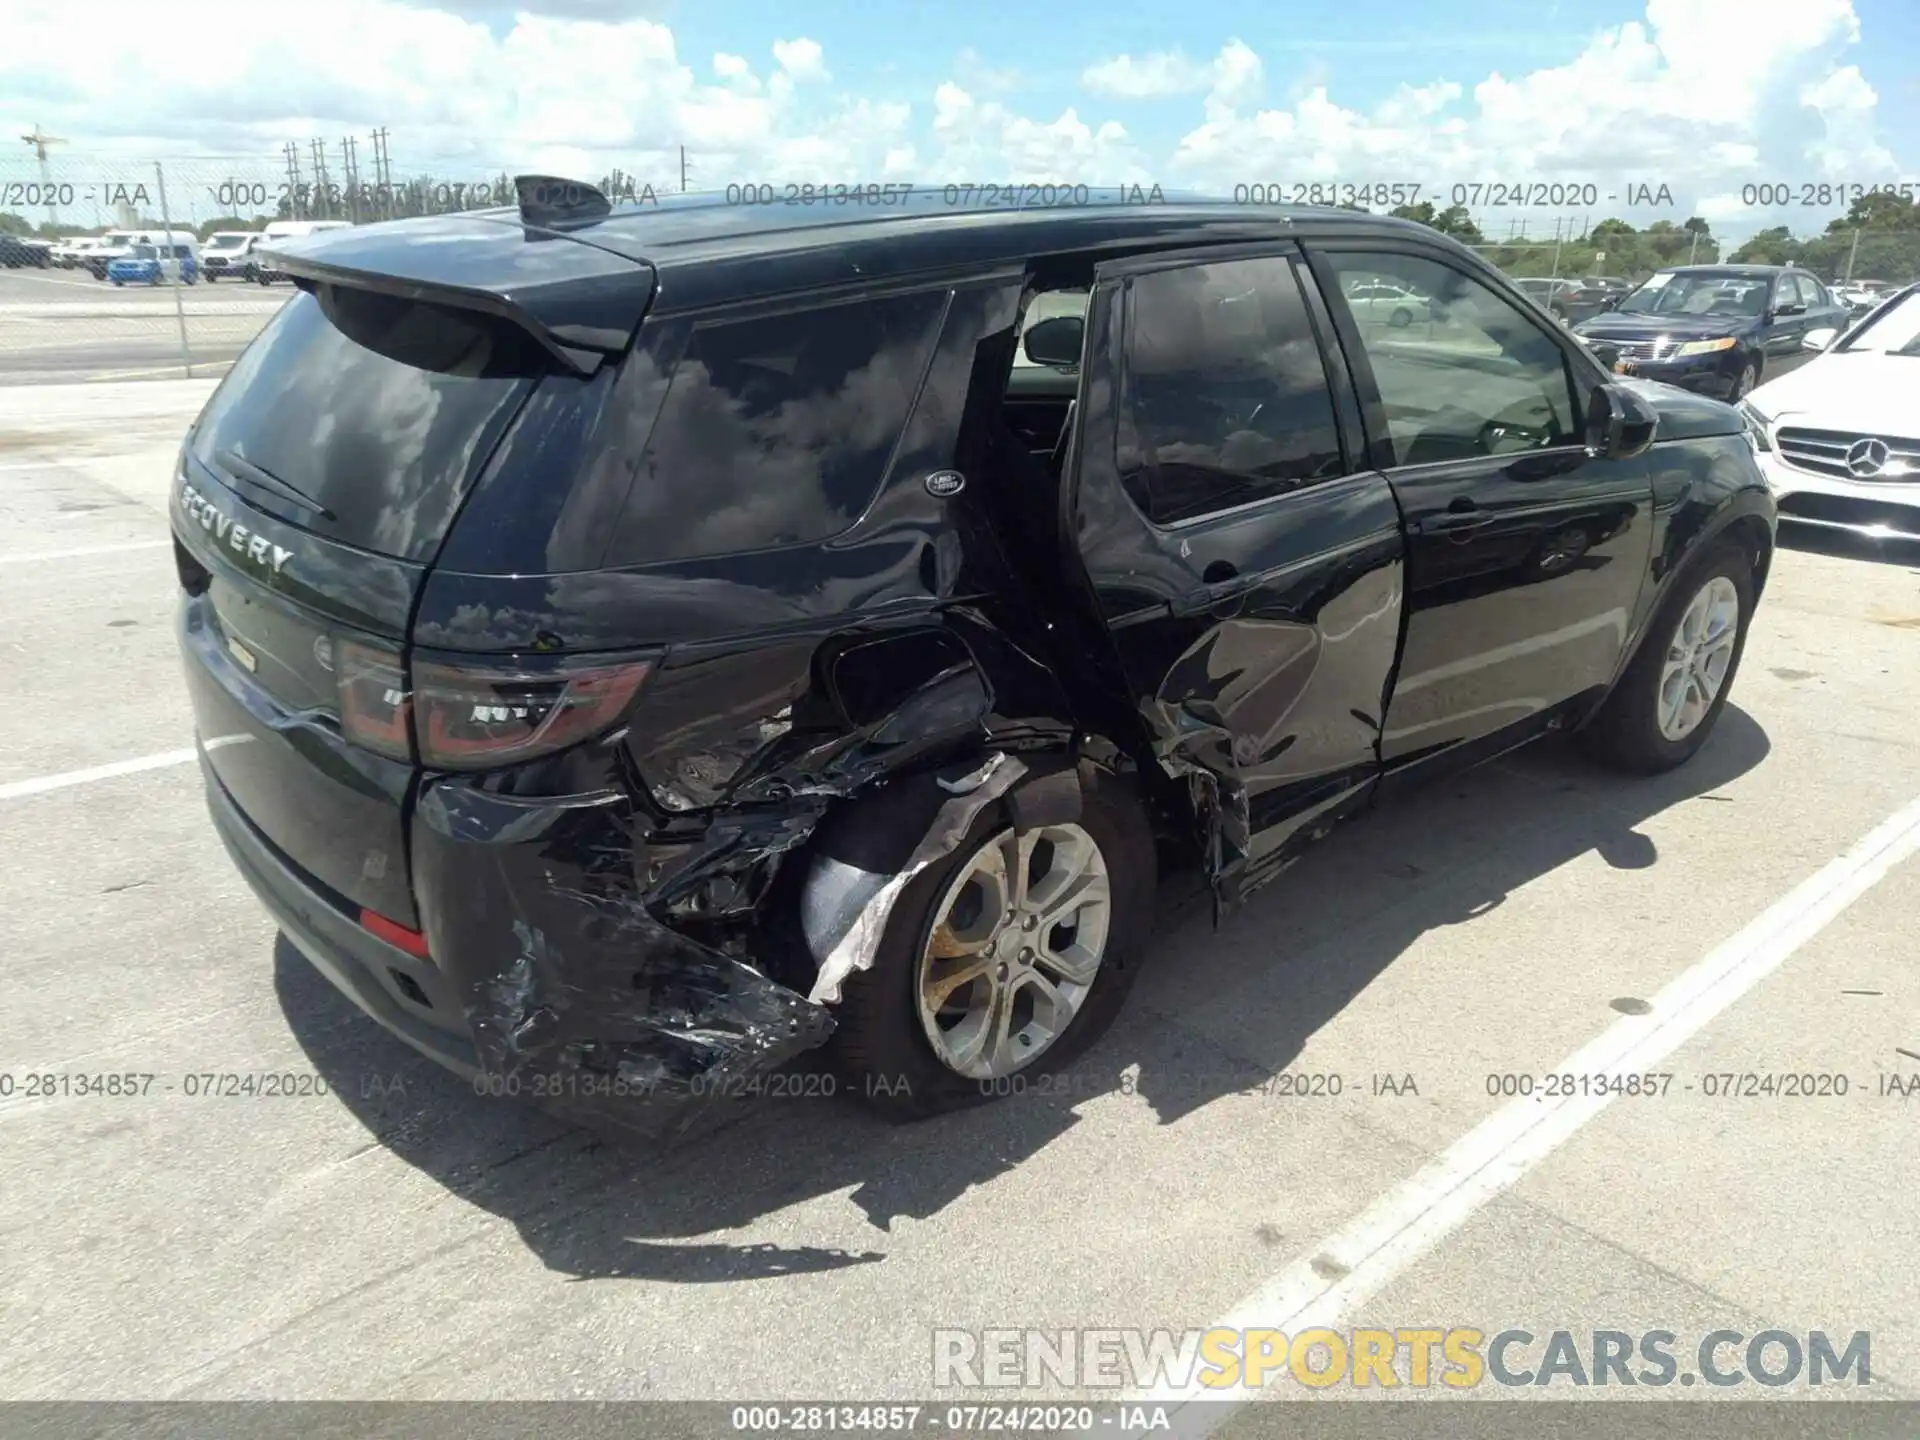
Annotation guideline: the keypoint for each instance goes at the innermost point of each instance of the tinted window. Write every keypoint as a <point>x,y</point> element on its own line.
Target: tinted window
<point>777,431</point>
<point>1463,374</point>
<point>376,409</point>
<point>1226,391</point>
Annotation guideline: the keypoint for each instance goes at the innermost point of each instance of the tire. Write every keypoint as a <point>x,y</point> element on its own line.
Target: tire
<point>1626,733</point>
<point>1400,319</point>
<point>881,1047</point>
<point>1744,382</point>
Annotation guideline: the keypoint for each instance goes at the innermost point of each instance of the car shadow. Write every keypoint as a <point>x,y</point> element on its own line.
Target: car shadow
<point>591,1207</point>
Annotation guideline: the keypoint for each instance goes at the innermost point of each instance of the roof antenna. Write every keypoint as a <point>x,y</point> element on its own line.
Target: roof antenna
<point>553,200</point>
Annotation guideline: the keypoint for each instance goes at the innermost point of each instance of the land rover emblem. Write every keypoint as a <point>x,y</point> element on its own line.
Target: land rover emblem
<point>943,483</point>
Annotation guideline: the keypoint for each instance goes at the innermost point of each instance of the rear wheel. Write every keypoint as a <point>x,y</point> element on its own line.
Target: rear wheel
<point>1002,961</point>
<point>1672,693</point>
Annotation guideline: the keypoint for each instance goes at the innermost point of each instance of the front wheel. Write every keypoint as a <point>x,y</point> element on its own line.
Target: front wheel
<point>1003,961</point>
<point>1744,381</point>
<point>1672,693</point>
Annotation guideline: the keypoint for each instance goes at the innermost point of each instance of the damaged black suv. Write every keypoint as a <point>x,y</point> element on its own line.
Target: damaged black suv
<point>630,647</point>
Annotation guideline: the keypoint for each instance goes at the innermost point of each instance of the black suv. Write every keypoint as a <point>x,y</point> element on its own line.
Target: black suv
<point>1716,329</point>
<point>631,647</point>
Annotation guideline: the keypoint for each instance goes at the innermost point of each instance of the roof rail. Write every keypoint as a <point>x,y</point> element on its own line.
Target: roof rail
<point>554,200</point>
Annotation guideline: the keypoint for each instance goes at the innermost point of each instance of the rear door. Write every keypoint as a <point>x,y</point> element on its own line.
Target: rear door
<point>311,497</point>
<point>1525,554</point>
<point>1245,559</point>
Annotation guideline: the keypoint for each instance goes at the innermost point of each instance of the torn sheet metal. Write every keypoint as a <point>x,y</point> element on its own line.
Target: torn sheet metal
<point>845,910</point>
<point>574,989</point>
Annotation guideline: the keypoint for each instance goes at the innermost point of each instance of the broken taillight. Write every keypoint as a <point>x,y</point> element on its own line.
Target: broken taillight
<point>475,717</point>
<point>373,698</point>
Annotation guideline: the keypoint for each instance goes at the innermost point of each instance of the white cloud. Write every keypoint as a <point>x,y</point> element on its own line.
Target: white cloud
<point>802,59</point>
<point>1151,77</point>
<point>1701,95</point>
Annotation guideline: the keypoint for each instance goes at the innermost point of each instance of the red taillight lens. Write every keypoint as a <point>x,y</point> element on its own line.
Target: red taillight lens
<point>374,703</point>
<point>394,933</point>
<point>472,717</point>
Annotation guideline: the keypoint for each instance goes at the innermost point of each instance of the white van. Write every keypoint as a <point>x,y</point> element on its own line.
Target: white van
<point>263,267</point>
<point>229,253</point>
<point>117,244</point>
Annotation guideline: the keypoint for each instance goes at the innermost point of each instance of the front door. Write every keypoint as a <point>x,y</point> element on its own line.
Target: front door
<point>1525,555</point>
<point>1245,559</point>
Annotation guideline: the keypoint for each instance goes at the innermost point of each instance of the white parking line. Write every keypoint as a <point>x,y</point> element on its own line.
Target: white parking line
<point>1325,1286</point>
<point>33,555</point>
<point>16,789</point>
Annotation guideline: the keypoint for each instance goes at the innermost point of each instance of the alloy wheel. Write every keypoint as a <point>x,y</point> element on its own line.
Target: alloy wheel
<point>1016,945</point>
<point>1698,657</point>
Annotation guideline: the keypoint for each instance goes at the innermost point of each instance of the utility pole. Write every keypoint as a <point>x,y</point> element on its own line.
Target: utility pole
<point>40,140</point>
<point>683,169</point>
<point>1694,247</point>
<point>1852,251</point>
<point>295,204</point>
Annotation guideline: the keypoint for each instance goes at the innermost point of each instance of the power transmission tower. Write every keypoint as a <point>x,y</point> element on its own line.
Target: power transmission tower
<point>40,140</point>
<point>383,172</point>
<point>352,173</point>
<point>322,201</point>
<point>295,203</point>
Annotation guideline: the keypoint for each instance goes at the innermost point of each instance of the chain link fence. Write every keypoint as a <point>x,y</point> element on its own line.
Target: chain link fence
<point>67,311</point>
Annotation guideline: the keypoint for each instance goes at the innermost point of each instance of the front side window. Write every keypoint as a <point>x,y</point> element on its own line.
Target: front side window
<point>777,431</point>
<point>1226,397</point>
<point>1464,373</point>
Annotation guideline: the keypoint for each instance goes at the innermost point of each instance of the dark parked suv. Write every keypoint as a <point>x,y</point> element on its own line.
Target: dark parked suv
<point>631,647</point>
<point>1716,329</point>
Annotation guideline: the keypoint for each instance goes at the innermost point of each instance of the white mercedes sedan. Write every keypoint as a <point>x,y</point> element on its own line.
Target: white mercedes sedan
<point>1840,435</point>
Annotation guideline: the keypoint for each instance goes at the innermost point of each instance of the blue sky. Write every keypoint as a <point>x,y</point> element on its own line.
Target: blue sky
<point>1702,95</point>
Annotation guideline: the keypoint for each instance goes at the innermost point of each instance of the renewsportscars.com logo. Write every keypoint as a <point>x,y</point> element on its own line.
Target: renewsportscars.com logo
<point>1460,1358</point>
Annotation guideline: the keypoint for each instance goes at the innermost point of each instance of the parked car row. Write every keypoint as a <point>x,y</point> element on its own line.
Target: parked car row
<point>161,256</point>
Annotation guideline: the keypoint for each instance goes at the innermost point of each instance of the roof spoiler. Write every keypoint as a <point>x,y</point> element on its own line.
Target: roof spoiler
<point>580,302</point>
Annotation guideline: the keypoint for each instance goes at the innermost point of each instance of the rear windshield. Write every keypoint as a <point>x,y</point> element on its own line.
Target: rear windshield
<point>376,410</point>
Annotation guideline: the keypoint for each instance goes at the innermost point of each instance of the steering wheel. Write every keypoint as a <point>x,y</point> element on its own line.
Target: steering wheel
<point>1500,437</point>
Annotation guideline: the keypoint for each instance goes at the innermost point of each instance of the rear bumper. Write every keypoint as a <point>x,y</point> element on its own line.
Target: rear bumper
<point>363,967</point>
<point>548,983</point>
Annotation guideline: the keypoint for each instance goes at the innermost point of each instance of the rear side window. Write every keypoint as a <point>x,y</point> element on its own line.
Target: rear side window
<point>1226,398</point>
<point>777,430</point>
<point>376,410</point>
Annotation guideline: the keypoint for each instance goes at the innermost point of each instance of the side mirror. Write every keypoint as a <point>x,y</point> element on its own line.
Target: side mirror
<point>1607,355</point>
<point>1055,342</point>
<point>1620,424</point>
<point>1612,302</point>
<point>1819,339</point>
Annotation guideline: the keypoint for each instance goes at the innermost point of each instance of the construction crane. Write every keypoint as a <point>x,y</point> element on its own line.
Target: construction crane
<point>40,140</point>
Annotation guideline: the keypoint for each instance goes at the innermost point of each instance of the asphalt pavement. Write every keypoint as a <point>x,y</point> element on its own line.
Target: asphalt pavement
<point>384,1232</point>
<point>63,326</point>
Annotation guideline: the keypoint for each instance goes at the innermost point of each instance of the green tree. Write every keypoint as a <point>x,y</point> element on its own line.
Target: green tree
<point>227,222</point>
<point>12,223</point>
<point>1770,247</point>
